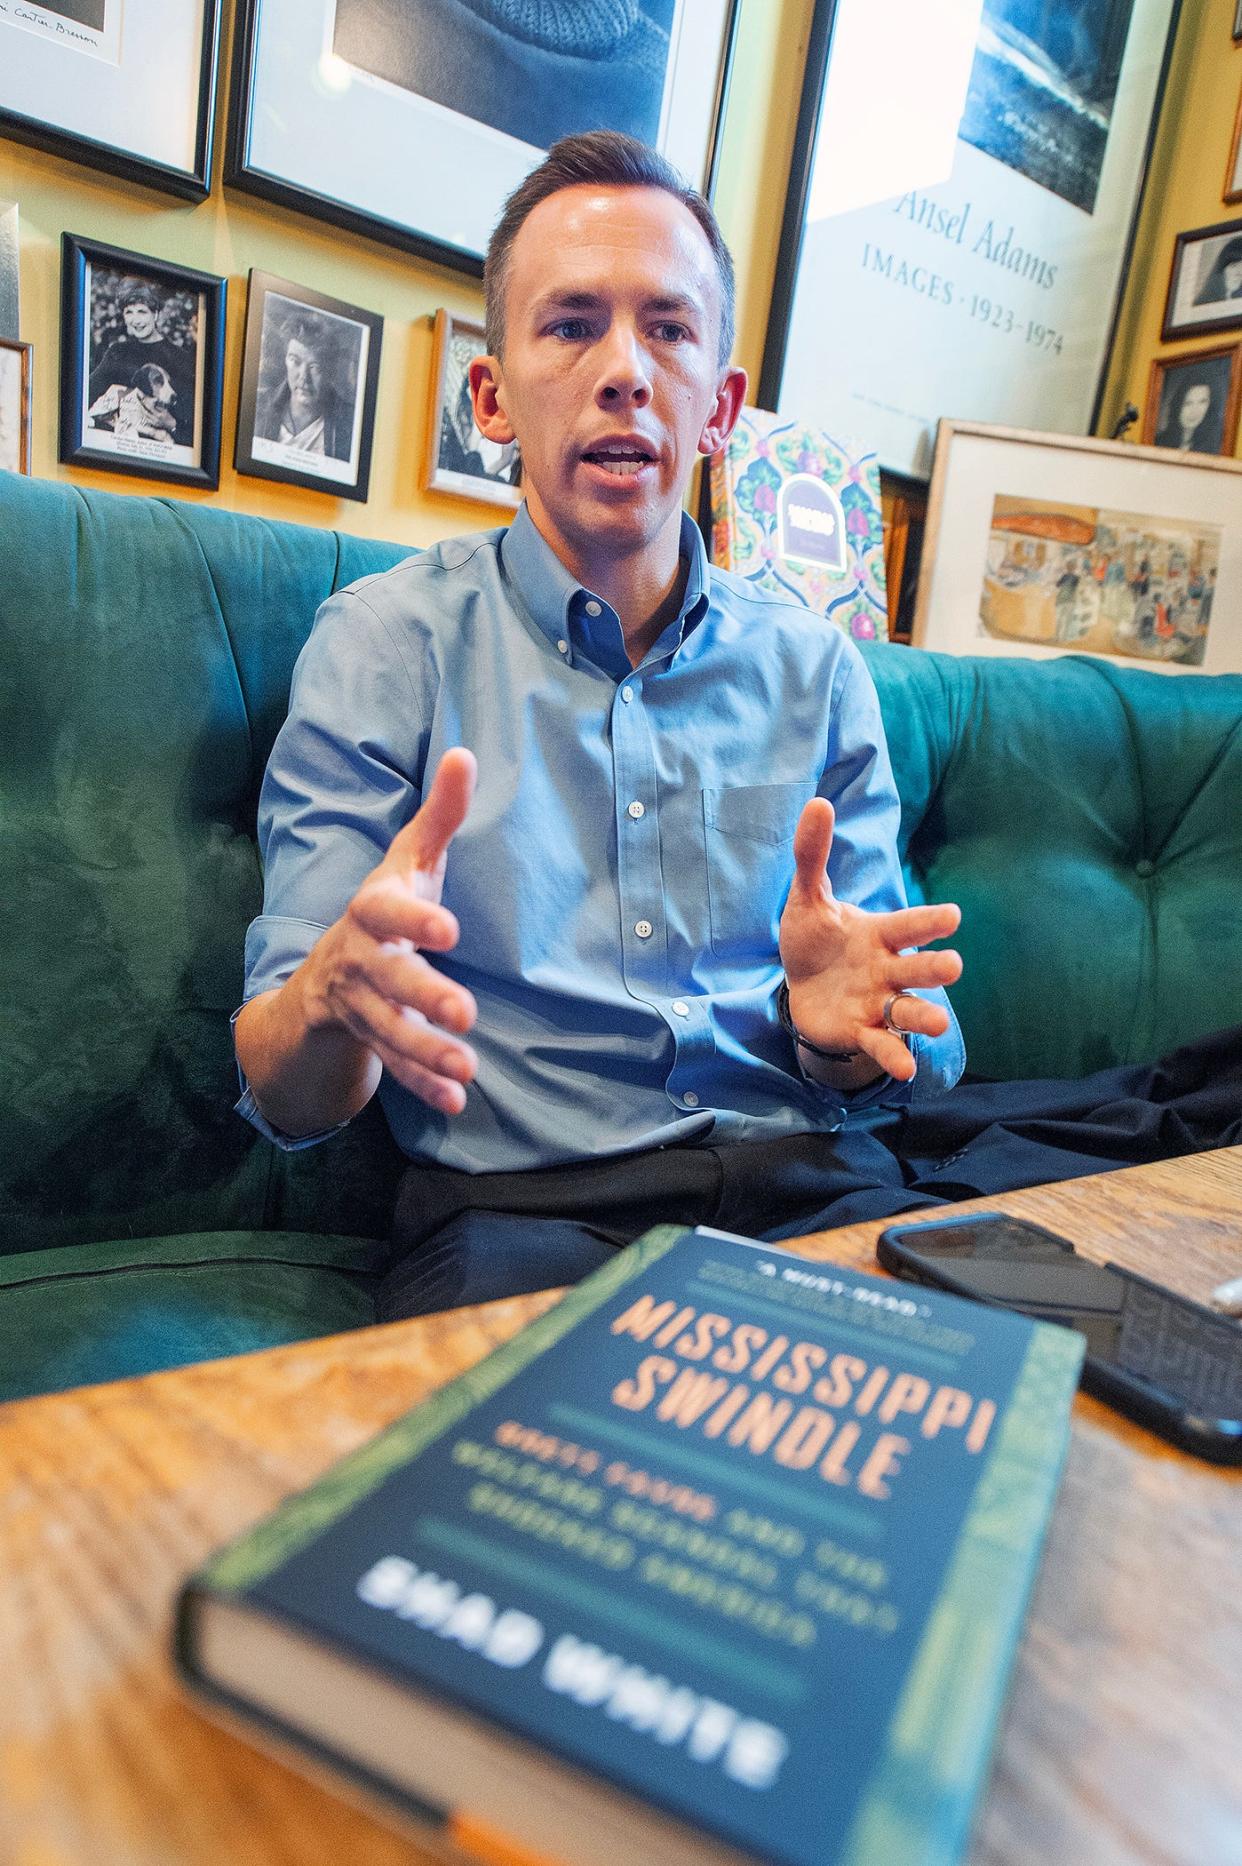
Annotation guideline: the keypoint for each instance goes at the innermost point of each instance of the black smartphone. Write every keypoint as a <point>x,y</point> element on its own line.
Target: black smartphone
<point>1172,1365</point>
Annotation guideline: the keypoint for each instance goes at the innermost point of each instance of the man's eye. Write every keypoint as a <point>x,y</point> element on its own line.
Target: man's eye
<point>671,333</point>
<point>572,329</point>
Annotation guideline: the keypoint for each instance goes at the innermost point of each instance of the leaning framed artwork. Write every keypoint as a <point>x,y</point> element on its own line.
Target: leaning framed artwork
<point>970,259</point>
<point>411,121</point>
<point>1192,401</point>
<point>15,377</point>
<point>1205,281</point>
<point>457,458</point>
<point>1043,544</point>
<point>123,85</point>
<point>310,379</point>
<point>141,364</point>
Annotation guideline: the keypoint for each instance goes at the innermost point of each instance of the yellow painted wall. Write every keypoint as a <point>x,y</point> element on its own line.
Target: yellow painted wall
<point>230,232</point>
<point>1185,190</point>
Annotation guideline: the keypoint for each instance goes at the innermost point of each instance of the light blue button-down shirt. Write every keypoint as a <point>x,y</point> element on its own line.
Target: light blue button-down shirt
<point>620,877</point>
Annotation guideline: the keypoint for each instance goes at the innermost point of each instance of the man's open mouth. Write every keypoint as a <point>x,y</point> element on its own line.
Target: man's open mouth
<point>620,457</point>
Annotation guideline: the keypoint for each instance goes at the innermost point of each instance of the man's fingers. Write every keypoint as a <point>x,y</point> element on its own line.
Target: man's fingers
<point>927,968</point>
<point>889,1052</point>
<point>917,926</point>
<point>813,844</point>
<point>423,843</point>
<point>434,1066</point>
<point>387,908</point>
<point>408,982</point>
<point>918,1016</point>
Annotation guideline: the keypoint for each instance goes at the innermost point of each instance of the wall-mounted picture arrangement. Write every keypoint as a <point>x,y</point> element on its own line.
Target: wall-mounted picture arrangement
<point>310,378</point>
<point>141,364</point>
<point>123,85</point>
<point>1205,281</point>
<point>1192,401</point>
<point>15,383</point>
<point>457,457</point>
<point>1040,544</point>
<point>984,277</point>
<point>411,121</point>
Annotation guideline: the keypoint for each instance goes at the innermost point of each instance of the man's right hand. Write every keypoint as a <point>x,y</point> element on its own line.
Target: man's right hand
<point>367,976</point>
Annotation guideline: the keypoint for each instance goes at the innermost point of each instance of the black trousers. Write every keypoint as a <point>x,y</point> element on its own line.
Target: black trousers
<point>470,1237</point>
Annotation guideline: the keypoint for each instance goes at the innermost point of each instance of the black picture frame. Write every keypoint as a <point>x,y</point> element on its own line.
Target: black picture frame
<point>75,144</point>
<point>1180,317</point>
<point>190,456</point>
<point>345,342</point>
<point>793,226</point>
<point>244,172</point>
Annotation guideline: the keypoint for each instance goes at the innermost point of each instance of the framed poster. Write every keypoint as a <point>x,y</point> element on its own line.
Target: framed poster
<point>987,286</point>
<point>123,85</point>
<point>457,458</point>
<point>310,374</point>
<point>1205,281</point>
<point>1192,401</point>
<point>412,120</point>
<point>141,364</point>
<point>15,376</point>
<point>1041,544</point>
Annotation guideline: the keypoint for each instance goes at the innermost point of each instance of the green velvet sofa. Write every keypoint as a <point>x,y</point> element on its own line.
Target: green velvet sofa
<point>1088,818</point>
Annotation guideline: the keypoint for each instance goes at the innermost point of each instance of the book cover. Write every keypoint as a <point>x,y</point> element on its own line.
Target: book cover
<point>797,511</point>
<point>725,1557</point>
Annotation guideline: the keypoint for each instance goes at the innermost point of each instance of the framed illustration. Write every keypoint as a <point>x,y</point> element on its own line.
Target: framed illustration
<point>1192,401</point>
<point>411,121</point>
<point>10,293</point>
<point>15,381</point>
<point>457,457</point>
<point>980,272</point>
<point>1040,544</point>
<point>1205,281</point>
<point>139,102</point>
<point>310,376</point>
<point>1233,172</point>
<point>141,364</point>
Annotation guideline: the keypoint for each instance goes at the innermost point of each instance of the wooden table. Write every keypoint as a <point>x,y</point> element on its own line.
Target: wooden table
<point>1122,1742</point>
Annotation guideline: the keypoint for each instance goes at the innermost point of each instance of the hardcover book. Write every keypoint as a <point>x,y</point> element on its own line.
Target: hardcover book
<point>796,511</point>
<point>723,1559</point>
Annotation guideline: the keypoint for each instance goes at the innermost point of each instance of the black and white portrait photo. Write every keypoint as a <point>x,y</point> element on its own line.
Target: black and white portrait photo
<point>1205,282</point>
<point>550,70</point>
<point>1193,402</point>
<point>459,458</point>
<point>142,346</point>
<point>308,388</point>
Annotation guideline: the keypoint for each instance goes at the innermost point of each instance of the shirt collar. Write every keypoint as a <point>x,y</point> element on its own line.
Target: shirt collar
<point>557,603</point>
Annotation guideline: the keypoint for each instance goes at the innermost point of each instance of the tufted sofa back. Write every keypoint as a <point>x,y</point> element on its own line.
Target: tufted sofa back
<point>1087,818</point>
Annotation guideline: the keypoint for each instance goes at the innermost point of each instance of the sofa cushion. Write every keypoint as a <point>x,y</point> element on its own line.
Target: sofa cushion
<point>94,1312</point>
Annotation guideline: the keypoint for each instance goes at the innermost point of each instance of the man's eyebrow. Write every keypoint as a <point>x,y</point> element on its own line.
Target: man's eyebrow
<point>663,303</point>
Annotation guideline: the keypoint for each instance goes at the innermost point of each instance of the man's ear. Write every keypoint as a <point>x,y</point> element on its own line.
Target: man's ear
<point>487,393</point>
<point>730,396</point>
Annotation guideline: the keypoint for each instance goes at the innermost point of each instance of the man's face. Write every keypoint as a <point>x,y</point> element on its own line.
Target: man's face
<point>303,370</point>
<point>1233,277</point>
<point>611,381</point>
<point>1195,404</point>
<point>139,320</point>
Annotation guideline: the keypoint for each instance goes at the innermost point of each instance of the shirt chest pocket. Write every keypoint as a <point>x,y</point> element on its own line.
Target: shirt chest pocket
<point>748,832</point>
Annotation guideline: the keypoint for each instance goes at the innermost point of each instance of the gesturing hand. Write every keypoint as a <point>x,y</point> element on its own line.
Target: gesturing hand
<point>843,963</point>
<point>367,976</point>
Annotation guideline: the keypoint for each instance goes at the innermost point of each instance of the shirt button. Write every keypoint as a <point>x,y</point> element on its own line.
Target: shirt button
<point>627,694</point>
<point>680,1008</point>
<point>643,929</point>
<point>562,647</point>
<point>690,1098</point>
<point>592,608</point>
<point>635,810</point>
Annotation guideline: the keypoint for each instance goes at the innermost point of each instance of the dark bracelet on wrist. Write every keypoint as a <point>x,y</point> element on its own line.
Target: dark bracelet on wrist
<point>828,1056</point>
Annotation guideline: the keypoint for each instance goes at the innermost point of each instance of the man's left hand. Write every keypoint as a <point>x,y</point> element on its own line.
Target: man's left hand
<point>843,964</point>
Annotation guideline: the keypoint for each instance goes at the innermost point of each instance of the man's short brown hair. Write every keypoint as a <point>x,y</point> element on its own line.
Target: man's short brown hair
<point>604,158</point>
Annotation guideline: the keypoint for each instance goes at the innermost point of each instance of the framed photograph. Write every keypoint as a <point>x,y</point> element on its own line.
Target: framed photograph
<point>1192,401</point>
<point>956,238</point>
<point>310,375</point>
<point>412,120</point>
<point>1233,173</point>
<point>1043,544</point>
<point>1237,21</point>
<point>1205,282</point>
<point>123,85</point>
<point>10,293</point>
<point>15,379</point>
<point>458,458</point>
<point>141,364</point>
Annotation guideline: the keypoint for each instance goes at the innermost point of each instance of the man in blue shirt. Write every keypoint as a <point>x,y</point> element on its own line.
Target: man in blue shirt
<point>621,819</point>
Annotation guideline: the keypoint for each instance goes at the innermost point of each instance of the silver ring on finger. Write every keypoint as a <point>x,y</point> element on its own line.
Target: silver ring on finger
<point>886,1014</point>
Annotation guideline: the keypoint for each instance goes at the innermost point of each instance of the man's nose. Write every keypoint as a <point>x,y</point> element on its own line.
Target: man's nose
<point>625,374</point>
